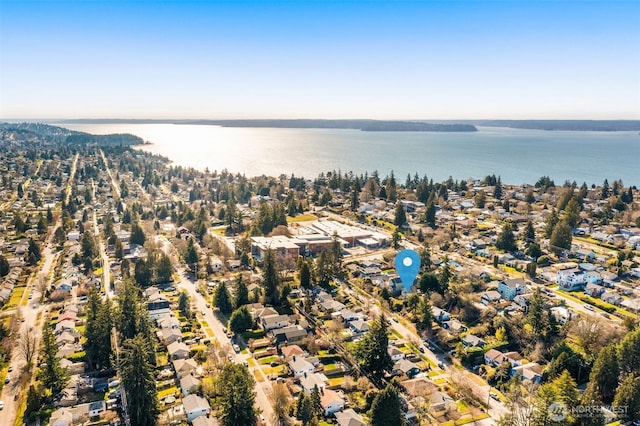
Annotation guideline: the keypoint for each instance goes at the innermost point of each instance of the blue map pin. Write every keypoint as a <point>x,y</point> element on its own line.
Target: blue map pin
<point>407,265</point>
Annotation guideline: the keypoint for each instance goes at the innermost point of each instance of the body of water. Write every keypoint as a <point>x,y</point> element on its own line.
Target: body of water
<point>517,155</point>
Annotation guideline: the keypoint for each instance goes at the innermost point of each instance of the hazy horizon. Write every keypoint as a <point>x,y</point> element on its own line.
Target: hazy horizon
<point>384,60</point>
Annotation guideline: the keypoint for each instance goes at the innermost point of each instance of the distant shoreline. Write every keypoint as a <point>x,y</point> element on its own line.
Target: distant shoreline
<point>389,125</point>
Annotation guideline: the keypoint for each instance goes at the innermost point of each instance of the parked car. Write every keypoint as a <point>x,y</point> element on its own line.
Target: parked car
<point>494,396</point>
<point>236,348</point>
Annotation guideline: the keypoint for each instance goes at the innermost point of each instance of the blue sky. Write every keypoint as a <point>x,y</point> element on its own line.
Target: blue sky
<point>320,59</point>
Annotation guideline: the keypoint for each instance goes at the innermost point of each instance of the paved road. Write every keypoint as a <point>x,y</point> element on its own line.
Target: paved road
<point>263,389</point>
<point>30,315</point>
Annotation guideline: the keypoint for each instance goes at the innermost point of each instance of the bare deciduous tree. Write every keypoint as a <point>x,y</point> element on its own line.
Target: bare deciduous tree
<point>281,400</point>
<point>26,346</point>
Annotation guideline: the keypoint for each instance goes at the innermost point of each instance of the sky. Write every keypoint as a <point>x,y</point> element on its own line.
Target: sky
<point>453,59</point>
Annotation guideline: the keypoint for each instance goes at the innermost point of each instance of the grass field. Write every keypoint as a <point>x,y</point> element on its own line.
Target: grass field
<point>307,217</point>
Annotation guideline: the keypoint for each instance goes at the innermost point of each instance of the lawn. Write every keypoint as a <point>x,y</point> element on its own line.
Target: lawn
<point>330,367</point>
<point>254,334</point>
<point>307,217</point>
<point>16,296</point>
<point>209,332</point>
<point>162,358</point>
<point>336,381</point>
<point>268,359</point>
<point>173,390</point>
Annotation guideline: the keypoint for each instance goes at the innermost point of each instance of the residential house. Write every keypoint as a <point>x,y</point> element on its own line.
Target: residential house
<point>489,297</point>
<point>454,326</point>
<point>440,315</point>
<point>420,386</point>
<point>611,297</point>
<point>170,335</point>
<point>593,290</point>
<point>205,421</point>
<point>189,384</point>
<point>522,301</point>
<point>299,366</point>
<point>178,350</point>
<point>359,326</point>
<point>331,402</point>
<point>493,357</point>
<point>562,314</point>
<point>440,403</point>
<point>571,279</point>
<point>272,322</point>
<point>288,352</point>
<point>290,334</point>
<point>311,380</point>
<point>530,372</point>
<point>195,406</point>
<point>509,289</point>
<point>184,367</point>
<point>349,417</point>
<point>395,353</point>
<point>97,407</point>
<point>471,340</point>
<point>514,358</point>
<point>406,367</point>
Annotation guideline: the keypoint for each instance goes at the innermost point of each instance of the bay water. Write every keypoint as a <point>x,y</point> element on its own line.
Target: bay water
<point>517,155</point>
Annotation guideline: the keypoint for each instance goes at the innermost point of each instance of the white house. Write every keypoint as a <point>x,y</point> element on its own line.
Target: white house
<point>331,402</point>
<point>300,366</point>
<point>571,279</point>
<point>195,406</point>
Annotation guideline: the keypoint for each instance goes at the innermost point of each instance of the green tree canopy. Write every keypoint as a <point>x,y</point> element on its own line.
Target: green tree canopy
<point>240,320</point>
<point>236,396</point>
<point>371,351</point>
<point>139,382</point>
<point>385,409</point>
<point>222,299</point>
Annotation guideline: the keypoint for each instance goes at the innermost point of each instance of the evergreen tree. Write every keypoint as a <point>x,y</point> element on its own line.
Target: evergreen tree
<point>497,190</point>
<point>270,279</point>
<point>52,375</point>
<point>137,235</point>
<point>536,313</point>
<point>628,395</point>
<point>605,375</point>
<point>240,320</point>
<point>242,293</point>
<point>430,215</point>
<point>305,275</point>
<point>33,253</point>
<point>354,201</point>
<point>400,216</point>
<point>164,269</point>
<point>119,249</point>
<point>315,402</point>
<point>139,382</point>
<point>4,266</point>
<point>385,409</point>
<point>236,395</point>
<point>222,299</point>
<point>98,331</point>
<point>424,320</point>
<point>506,239</point>
<point>429,283</point>
<point>184,307</point>
<point>629,353</point>
<point>372,349</point>
<point>191,254</point>
<point>304,412</point>
<point>529,234</point>
<point>550,223</point>
<point>561,238</point>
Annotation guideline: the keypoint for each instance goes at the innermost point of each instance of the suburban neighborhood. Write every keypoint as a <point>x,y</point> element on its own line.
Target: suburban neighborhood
<point>137,292</point>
